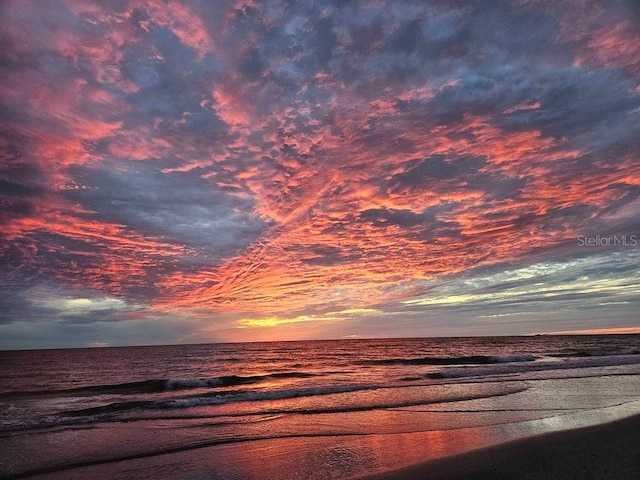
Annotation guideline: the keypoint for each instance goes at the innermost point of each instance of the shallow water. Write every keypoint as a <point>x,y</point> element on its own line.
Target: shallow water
<point>198,411</point>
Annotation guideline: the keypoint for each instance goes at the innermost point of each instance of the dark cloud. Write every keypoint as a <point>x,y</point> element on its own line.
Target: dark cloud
<point>179,207</point>
<point>16,199</point>
<point>399,218</point>
<point>323,255</point>
<point>576,102</point>
<point>438,167</point>
<point>171,91</point>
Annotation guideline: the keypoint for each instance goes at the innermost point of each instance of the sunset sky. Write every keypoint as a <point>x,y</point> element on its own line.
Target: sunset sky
<point>213,171</point>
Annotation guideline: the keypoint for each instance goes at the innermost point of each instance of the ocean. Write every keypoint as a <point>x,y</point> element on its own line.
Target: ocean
<point>299,410</point>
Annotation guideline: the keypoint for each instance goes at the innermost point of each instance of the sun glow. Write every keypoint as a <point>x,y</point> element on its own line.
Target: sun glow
<point>327,317</point>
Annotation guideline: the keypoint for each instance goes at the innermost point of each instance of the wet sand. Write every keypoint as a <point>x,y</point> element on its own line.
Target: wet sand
<point>608,451</point>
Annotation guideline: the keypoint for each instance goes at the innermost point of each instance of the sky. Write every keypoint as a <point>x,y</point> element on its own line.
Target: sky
<point>191,172</point>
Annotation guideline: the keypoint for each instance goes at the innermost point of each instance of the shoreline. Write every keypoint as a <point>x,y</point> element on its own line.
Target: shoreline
<point>608,450</point>
<point>480,433</point>
<point>605,451</point>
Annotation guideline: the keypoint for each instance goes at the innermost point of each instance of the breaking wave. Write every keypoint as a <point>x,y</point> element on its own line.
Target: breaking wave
<point>163,385</point>
<point>469,360</point>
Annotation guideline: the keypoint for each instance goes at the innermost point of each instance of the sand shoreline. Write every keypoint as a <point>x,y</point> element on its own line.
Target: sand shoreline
<point>591,430</point>
<point>606,451</point>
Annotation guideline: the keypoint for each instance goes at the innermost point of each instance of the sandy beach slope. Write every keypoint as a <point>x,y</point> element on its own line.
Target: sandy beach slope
<point>609,451</point>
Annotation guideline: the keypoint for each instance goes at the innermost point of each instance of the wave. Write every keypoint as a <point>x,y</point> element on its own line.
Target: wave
<point>161,385</point>
<point>266,434</point>
<point>215,399</point>
<point>573,363</point>
<point>468,360</point>
<point>230,380</point>
<point>368,403</point>
<point>597,353</point>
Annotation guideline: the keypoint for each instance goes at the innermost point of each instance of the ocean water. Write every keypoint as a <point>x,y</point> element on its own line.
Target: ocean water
<point>197,411</point>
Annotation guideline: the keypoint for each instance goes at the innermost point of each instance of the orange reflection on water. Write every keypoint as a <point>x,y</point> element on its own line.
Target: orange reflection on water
<point>343,454</point>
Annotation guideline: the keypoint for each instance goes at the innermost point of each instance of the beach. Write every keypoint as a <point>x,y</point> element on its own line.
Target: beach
<point>609,451</point>
<point>498,407</point>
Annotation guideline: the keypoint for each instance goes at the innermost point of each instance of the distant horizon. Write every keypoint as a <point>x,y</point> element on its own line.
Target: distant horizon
<point>636,331</point>
<point>244,171</point>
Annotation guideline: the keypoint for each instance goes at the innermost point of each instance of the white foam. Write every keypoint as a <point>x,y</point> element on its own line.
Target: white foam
<point>511,358</point>
<point>256,396</point>
<point>178,384</point>
<point>514,368</point>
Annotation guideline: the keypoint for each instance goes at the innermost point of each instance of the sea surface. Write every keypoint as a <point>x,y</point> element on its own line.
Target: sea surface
<point>312,409</point>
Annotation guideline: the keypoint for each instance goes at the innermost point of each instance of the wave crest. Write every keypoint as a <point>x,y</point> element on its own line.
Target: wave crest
<point>468,360</point>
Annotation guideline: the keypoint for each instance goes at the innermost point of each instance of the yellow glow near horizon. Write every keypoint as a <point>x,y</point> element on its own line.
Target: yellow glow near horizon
<point>355,311</point>
<point>273,321</point>
<point>327,317</point>
<point>598,331</point>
